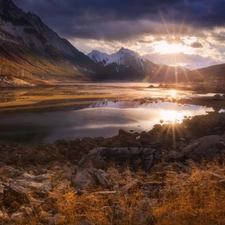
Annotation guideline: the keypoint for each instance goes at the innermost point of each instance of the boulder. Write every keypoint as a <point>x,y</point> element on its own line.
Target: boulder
<point>90,178</point>
<point>38,178</point>
<point>40,183</point>
<point>134,156</point>
<point>206,147</point>
<point>93,160</point>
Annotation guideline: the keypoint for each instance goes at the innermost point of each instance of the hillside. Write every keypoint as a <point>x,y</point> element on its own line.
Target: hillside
<point>207,74</point>
<point>33,53</point>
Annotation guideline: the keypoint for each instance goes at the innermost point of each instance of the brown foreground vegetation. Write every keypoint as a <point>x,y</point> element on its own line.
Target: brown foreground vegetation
<point>132,178</point>
<point>194,196</point>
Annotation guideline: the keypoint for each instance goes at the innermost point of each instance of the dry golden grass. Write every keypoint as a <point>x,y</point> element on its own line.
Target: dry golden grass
<point>195,197</point>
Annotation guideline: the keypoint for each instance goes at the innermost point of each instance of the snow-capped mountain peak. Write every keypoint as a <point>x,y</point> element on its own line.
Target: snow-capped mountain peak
<point>99,57</point>
<point>124,62</point>
<point>126,51</point>
<point>121,56</point>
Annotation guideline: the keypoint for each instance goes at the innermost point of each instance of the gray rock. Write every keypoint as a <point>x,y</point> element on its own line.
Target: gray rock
<point>134,156</point>
<point>90,178</point>
<point>10,172</point>
<point>129,186</point>
<point>44,187</point>
<point>101,179</point>
<point>38,178</point>
<point>94,160</point>
<point>206,147</point>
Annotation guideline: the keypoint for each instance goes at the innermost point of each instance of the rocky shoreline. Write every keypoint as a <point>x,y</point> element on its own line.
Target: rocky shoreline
<point>39,182</point>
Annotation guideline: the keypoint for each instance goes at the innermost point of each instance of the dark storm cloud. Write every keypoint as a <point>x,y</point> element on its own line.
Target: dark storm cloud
<point>117,19</point>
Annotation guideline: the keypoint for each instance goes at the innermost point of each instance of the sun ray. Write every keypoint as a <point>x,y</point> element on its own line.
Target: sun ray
<point>186,75</point>
<point>164,24</point>
<point>167,71</point>
<point>157,72</point>
<point>199,73</point>
<point>173,47</point>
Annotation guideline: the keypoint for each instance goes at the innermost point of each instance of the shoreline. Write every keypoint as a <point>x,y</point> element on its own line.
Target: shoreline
<point>80,103</point>
<point>67,97</point>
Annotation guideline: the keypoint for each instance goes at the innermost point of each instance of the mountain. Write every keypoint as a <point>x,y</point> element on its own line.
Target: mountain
<point>207,74</point>
<point>31,53</point>
<point>99,57</point>
<point>129,65</point>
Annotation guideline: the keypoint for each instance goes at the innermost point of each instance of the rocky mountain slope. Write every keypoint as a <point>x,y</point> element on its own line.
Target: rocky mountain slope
<point>129,65</point>
<point>32,52</point>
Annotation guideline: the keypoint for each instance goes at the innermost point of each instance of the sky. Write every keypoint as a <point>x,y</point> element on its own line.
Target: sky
<point>189,33</point>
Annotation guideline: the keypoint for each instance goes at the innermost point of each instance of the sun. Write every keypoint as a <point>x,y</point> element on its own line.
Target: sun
<point>172,48</point>
<point>164,47</point>
<point>172,116</point>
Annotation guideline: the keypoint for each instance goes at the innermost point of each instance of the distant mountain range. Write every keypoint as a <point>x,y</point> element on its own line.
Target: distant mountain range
<point>33,54</point>
<point>129,65</point>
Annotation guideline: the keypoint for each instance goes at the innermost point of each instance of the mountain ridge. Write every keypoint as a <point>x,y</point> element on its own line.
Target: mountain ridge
<point>30,50</point>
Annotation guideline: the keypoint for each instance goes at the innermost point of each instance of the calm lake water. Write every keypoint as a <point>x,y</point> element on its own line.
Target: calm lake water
<point>102,118</point>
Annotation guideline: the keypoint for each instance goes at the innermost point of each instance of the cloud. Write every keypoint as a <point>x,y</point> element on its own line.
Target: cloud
<point>107,25</point>
<point>113,19</point>
<point>189,61</point>
<point>196,45</point>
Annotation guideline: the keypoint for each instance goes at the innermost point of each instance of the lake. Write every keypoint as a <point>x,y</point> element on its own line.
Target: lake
<point>111,106</point>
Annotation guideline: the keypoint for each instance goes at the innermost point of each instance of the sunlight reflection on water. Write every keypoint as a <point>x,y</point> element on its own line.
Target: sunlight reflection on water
<point>105,120</point>
<point>101,119</point>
